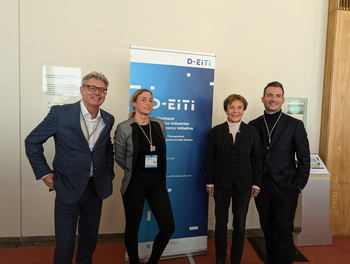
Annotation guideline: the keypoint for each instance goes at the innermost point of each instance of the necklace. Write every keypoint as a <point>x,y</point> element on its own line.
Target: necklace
<point>152,148</point>
<point>268,131</point>
<point>88,133</point>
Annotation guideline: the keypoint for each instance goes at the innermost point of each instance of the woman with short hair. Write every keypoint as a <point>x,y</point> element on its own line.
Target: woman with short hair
<point>233,172</point>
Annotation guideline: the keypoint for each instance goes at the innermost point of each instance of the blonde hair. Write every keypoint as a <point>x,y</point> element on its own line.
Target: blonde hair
<point>134,99</point>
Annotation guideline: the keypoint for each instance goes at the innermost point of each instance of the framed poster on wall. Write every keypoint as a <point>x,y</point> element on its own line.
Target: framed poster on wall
<point>296,107</point>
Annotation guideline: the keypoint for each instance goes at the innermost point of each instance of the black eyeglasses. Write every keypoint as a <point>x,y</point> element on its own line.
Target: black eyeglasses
<point>93,88</point>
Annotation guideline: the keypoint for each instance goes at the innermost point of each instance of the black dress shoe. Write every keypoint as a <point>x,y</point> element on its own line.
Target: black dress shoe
<point>220,262</point>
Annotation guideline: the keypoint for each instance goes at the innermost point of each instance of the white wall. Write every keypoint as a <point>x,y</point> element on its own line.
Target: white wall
<point>255,42</point>
<point>10,180</point>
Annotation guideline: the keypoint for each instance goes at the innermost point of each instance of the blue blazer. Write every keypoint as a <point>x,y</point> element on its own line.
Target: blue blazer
<point>72,161</point>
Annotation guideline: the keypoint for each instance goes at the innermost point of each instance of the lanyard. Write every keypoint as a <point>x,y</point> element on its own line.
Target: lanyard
<point>88,133</point>
<point>152,148</point>
<point>268,131</point>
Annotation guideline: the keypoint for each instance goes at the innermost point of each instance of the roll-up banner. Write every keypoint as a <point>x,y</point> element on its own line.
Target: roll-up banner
<point>182,84</point>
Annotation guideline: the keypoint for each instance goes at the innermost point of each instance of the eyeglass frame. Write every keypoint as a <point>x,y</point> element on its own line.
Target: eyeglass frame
<point>93,88</point>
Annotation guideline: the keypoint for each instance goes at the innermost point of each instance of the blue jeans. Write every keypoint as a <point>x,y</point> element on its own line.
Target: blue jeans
<point>240,204</point>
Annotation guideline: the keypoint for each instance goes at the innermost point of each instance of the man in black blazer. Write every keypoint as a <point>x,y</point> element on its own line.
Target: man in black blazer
<point>82,171</point>
<point>283,139</point>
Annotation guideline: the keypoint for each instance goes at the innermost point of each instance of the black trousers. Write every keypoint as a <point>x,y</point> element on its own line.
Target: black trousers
<point>240,204</point>
<point>147,186</point>
<point>88,211</point>
<point>277,221</point>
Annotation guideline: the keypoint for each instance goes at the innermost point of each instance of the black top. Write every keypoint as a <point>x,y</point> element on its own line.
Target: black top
<point>271,119</point>
<point>144,149</point>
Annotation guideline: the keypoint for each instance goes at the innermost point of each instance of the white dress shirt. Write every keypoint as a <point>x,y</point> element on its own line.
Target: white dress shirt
<point>91,125</point>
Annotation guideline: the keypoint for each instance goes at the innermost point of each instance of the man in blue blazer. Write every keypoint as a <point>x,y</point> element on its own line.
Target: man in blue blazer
<point>283,138</point>
<point>82,171</point>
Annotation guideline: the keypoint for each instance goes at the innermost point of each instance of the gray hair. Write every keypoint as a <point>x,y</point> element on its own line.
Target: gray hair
<point>96,75</point>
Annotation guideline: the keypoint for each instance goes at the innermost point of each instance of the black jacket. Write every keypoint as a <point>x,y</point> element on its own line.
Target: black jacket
<point>289,140</point>
<point>228,163</point>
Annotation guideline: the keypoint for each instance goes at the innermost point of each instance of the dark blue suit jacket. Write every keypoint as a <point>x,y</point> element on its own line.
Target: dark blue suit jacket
<point>289,139</point>
<point>72,161</point>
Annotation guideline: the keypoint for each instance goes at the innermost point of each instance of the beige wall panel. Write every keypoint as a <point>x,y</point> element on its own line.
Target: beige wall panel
<point>339,141</point>
<point>10,122</point>
<point>333,5</point>
<point>252,49</point>
<point>327,89</point>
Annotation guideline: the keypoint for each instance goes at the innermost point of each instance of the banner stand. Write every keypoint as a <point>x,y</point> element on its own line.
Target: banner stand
<point>182,85</point>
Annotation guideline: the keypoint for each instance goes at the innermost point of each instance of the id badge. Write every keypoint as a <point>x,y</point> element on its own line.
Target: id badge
<point>151,161</point>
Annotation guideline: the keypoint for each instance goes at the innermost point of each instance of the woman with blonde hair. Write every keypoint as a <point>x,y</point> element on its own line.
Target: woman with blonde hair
<point>140,150</point>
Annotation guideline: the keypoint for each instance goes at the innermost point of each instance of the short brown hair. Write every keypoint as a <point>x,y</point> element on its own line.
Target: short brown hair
<point>234,97</point>
<point>274,84</point>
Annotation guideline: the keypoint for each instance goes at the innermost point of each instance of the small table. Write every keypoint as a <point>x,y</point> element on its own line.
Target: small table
<point>315,212</point>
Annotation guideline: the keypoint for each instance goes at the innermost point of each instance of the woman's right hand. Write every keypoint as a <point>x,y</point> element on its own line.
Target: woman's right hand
<point>210,191</point>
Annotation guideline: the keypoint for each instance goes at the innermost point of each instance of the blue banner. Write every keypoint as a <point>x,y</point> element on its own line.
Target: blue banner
<point>182,85</point>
